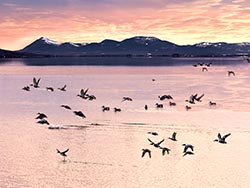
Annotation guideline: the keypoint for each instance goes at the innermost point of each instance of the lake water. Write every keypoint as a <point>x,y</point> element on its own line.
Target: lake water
<point>105,148</point>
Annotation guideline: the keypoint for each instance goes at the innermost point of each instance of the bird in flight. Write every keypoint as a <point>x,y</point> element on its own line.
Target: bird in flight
<point>229,73</point>
<point>35,82</point>
<point>126,99</point>
<point>26,88</point>
<point>62,153</point>
<point>144,151</point>
<point>157,145</point>
<point>66,107</point>
<point>62,88</point>
<point>164,150</point>
<point>173,138</point>
<point>79,113</point>
<point>187,146</point>
<point>221,139</point>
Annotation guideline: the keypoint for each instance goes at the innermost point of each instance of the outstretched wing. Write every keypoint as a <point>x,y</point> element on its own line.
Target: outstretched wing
<point>64,87</point>
<point>64,152</point>
<point>34,80</point>
<point>151,142</point>
<point>225,136</point>
<point>174,135</point>
<point>160,142</point>
<point>219,136</point>
<point>143,153</point>
<point>85,92</point>
<point>199,98</point>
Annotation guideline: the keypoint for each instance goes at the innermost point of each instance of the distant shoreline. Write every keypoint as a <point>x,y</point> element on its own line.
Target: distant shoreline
<point>13,54</point>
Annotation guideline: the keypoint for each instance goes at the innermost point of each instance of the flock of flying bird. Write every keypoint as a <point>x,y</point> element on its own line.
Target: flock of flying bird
<point>188,148</point>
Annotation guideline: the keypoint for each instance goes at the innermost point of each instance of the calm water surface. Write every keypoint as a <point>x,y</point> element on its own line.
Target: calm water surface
<point>105,148</point>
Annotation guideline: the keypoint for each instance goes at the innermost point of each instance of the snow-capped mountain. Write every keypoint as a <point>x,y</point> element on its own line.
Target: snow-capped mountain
<point>138,45</point>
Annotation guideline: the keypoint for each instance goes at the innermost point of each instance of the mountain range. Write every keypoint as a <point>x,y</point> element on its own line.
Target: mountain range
<point>135,46</point>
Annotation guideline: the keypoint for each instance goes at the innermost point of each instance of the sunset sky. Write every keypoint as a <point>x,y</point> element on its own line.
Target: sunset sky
<point>178,21</point>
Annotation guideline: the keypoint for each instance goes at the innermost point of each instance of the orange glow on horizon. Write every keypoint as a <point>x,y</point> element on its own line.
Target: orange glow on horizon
<point>180,23</point>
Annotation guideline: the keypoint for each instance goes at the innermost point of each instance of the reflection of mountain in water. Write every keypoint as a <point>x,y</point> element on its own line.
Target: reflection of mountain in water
<point>120,61</point>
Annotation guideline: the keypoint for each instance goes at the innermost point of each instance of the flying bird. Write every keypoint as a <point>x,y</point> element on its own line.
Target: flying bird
<point>157,145</point>
<point>198,98</point>
<point>62,88</point>
<point>221,139</point>
<point>153,133</point>
<point>50,89</point>
<point>204,69</point>
<point>63,153</point>
<point>188,108</point>
<point>163,97</point>
<point>212,103</point>
<point>187,146</point>
<point>83,94</point>
<point>229,73</point>
<point>173,138</point>
<point>126,99</point>
<point>66,107</point>
<point>172,103</point>
<point>164,150</point>
<point>144,151</point>
<point>35,82</point>
<point>79,113</point>
<point>158,105</point>
<point>26,88</point>
<point>117,109</point>
<point>105,108</point>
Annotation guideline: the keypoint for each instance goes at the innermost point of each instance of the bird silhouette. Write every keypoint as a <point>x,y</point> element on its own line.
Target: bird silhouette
<point>153,133</point>
<point>144,151</point>
<point>229,73</point>
<point>79,113</point>
<point>146,107</point>
<point>163,97</point>
<point>66,107</point>
<point>62,88</point>
<point>173,138</point>
<point>158,105</point>
<point>117,109</point>
<point>83,94</point>
<point>105,108</point>
<point>50,89</point>
<point>35,82</point>
<point>172,103</point>
<point>157,145</point>
<point>198,98</point>
<point>164,150</point>
<point>204,69</point>
<point>26,88</point>
<point>221,139</point>
<point>187,146</point>
<point>212,103</point>
<point>188,108</point>
<point>126,99</point>
<point>62,153</point>
<point>191,99</point>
